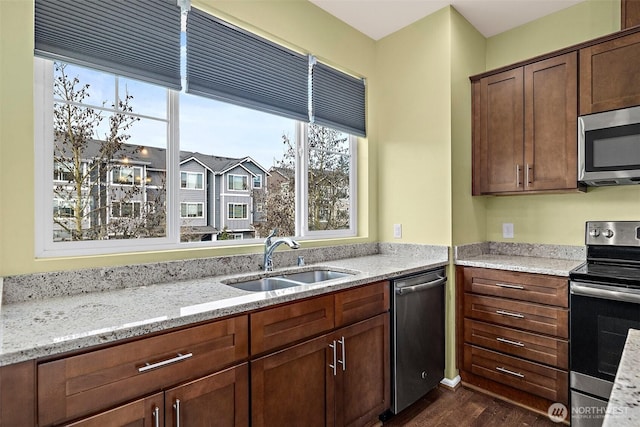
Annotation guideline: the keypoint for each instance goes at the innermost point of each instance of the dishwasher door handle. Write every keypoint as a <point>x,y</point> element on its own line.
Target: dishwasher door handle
<point>421,287</point>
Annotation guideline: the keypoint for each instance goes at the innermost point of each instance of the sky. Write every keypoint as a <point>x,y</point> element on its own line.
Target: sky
<point>206,125</point>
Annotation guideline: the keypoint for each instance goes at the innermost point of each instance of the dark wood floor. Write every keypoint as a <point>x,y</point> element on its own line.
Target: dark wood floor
<point>466,407</point>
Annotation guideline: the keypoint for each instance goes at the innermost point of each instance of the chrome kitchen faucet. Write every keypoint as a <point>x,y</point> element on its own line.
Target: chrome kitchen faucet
<point>270,246</point>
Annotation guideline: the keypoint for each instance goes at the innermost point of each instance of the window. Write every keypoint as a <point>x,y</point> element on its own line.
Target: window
<point>192,210</point>
<point>237,236</point>
<point>127,175</point>
<point>191,180</point>
<point>237,211</point>
<point>127,185</point>
<point>126,209</point>
<point>238,182</point>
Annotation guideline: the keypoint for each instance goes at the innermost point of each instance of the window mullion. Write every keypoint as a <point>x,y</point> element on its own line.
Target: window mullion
<point>173,167</point>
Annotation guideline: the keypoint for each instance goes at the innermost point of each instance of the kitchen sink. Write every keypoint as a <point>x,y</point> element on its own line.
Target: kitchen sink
<point>314,276</point>
<point>287,280</point>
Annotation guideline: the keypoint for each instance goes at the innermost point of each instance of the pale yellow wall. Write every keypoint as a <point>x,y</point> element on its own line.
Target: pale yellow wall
<point>296,22</point>
<point>557,219</point>
<point>414,112</point>
<point>584,21</point>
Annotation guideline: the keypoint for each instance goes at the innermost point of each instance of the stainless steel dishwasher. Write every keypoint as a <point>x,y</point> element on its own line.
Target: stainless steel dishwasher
<point>417,336</point>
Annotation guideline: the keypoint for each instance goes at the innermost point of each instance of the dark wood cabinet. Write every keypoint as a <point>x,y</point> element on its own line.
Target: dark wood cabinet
<point>524,134</point>
<point>629,13</point>
<point>221,399</point>
<point>610,74</point>
<point>339,379</point>
<point>512,333</point>
<point>18,394</point>
<point>147,412</point>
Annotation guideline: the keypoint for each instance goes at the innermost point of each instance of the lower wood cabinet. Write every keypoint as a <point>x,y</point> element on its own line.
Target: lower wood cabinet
<point>338,379</point>
<point>221,399</point>
<point>512,334</point>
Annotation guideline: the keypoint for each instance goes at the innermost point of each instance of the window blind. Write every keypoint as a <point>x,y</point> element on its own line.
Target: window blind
<point>338,100</point>
<point>134,38</point>
<point>232,65</point>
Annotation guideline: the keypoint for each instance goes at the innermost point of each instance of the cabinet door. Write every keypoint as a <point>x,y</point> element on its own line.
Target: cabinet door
<point>221,399</point>
<point>362,380</point>
<point>294,386</point>
<point>18,390</point>
<point>629,13</point>
<point>501,132</point>
<point>610,75</point>
<point>551,103</point>
<point>141,413</point>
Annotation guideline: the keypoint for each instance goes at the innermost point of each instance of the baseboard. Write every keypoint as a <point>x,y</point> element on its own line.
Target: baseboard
<point>451,384</point>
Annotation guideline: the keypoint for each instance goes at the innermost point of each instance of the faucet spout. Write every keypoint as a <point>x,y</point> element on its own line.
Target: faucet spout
<point>271,245</point>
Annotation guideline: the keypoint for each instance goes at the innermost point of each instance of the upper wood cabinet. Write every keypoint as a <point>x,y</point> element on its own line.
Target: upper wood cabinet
<point>629,13</point>
<point>524,128</point>
<point>610,74</point>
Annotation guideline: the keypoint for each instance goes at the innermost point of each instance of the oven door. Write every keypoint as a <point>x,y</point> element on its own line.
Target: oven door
<point>601,316</point>
<point>609,147</point>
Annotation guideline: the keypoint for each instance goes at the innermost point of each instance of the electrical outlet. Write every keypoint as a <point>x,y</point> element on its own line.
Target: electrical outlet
<point>397,231</point>
<point>507,230</point>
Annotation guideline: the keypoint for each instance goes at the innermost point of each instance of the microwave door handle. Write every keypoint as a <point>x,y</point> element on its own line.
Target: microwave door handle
<point>605,293</point>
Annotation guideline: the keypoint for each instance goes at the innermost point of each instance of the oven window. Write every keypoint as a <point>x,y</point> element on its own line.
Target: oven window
<point>612,334</point>
<point>598,333</point>
<point>616,148</point>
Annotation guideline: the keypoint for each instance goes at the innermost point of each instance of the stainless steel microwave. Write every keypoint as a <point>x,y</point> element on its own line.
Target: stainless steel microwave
<point>609,147</point>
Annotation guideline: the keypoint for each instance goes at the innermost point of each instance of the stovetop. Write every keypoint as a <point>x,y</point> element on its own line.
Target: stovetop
<point>613,254</point>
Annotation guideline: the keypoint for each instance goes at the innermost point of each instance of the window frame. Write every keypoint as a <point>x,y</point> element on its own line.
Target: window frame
<point>231,208</point>
<point>44,228</point>
<point>192,203</point>
<point>235,175</point>
<point>187,180</point>
<point>253,182</point>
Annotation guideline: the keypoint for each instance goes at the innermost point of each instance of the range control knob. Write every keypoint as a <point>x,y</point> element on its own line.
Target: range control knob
<point>607,233</point>
<point>594,233</point>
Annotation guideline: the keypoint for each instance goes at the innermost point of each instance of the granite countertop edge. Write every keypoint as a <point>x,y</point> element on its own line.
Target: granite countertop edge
<point>71,323</point>
<point>623,409</point>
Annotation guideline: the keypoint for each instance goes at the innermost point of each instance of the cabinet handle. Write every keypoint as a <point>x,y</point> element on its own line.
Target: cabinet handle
<point>506,313</point>
<point>529,173</point>
<point>176,406</point>
<point>518,182</point>
<point>506,371</point>
<point>343,362</point>
<point>178,358</point>
<point>504,285</point>
<point>516,343</point>
<point>334,365</point>
<point>156,417</point>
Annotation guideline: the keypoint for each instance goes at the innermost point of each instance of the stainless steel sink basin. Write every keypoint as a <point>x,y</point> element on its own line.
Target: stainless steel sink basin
<point>287,280</point>
<point>265,284</point>
<point>314,276</point>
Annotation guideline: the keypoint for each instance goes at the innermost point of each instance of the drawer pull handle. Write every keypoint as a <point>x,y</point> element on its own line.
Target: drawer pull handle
<point>176,406</point>
<point>506,313</point>
<point>506,371</point>
<point>504,285</point>
<point>334,366</point>
<point>156,417</point>
<point>178,358</point>
<point>516,343</point>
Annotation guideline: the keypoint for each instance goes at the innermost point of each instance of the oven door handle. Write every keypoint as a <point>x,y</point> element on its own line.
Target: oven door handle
<point>605,292</point>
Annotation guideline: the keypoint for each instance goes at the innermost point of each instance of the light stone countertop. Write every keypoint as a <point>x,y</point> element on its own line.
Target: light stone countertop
<point>529,258</point>
<point>51,326</point>
<point>623,409</point>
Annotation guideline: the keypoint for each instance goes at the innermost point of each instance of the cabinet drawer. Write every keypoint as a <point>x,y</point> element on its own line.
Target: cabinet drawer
<point>538,288</point>
<point>539,348</point>
<point>80,385</point>
<point>276,327</point>
<point>516,314</point>
<point>361,303</point>
<point>543,381</point>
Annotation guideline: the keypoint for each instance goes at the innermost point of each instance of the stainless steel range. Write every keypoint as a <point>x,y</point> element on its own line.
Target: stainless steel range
<point>605,303</point>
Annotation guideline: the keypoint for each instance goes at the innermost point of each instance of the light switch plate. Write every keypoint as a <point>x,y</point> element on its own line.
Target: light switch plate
<point>397,231</point>
<point>507,230</point>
